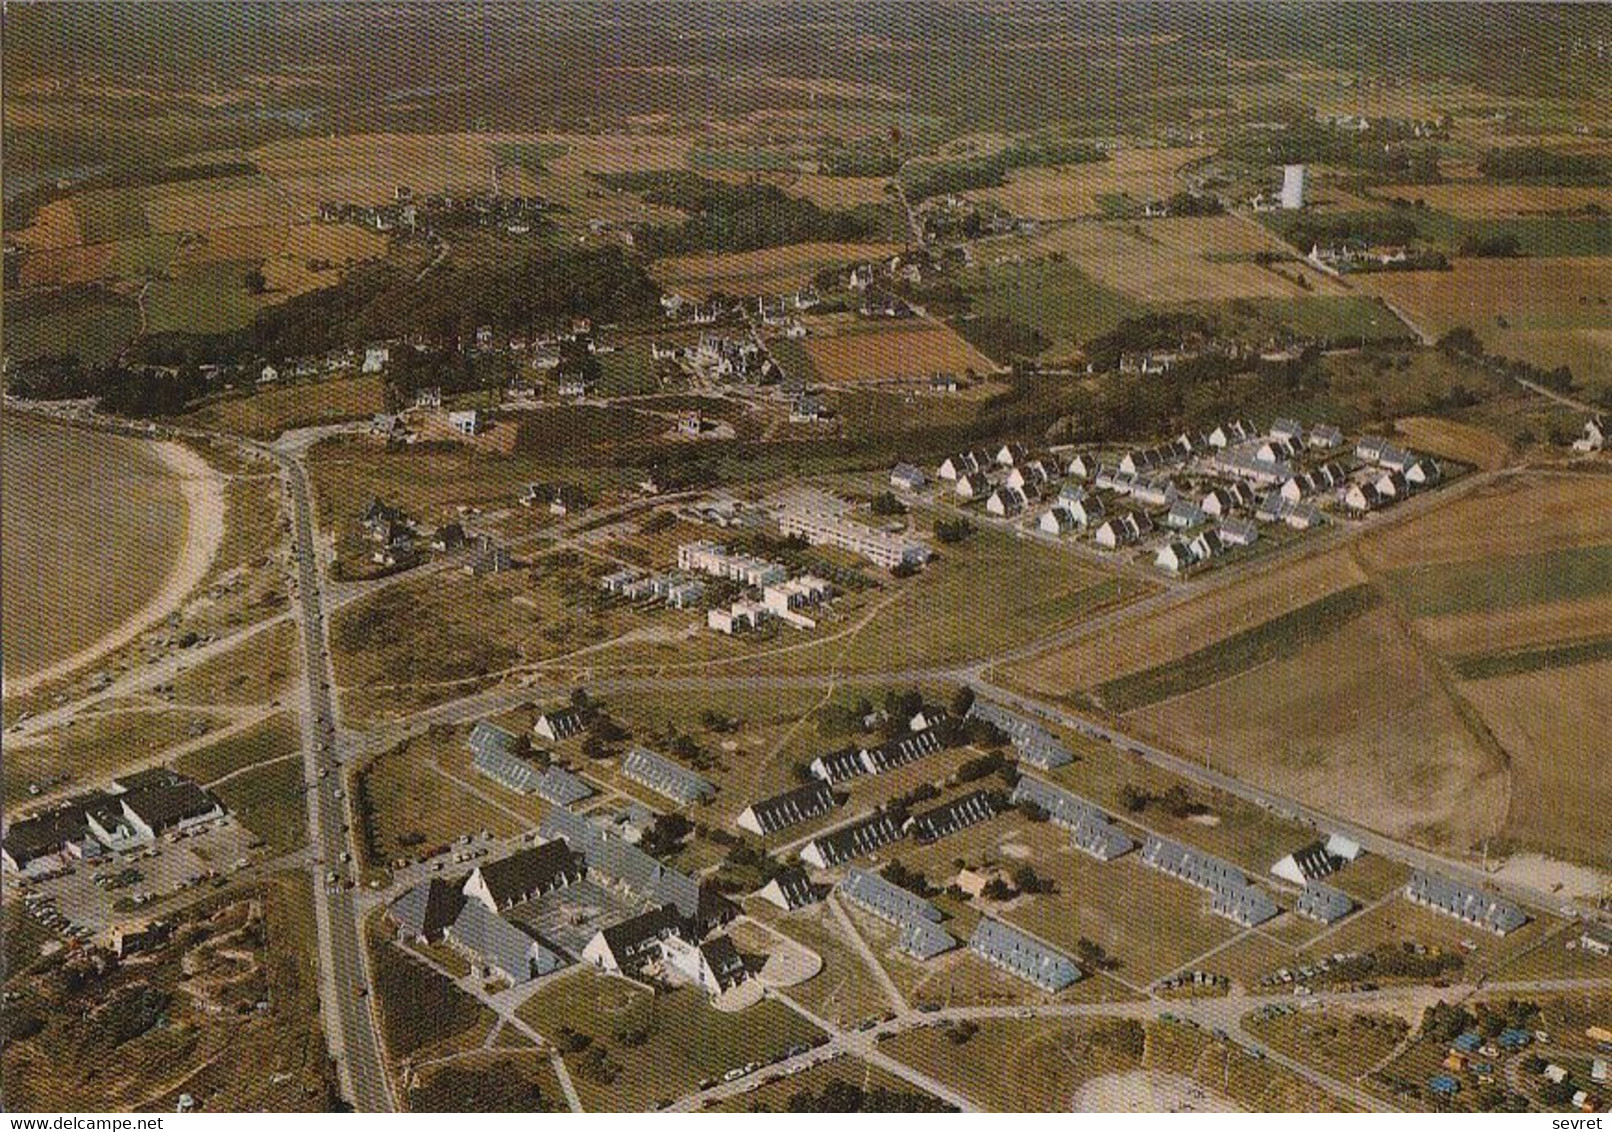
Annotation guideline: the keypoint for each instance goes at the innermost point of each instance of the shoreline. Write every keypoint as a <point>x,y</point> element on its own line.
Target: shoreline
<point>202,491</point>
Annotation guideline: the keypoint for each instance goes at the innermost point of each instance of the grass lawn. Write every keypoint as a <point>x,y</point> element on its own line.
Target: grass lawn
<point>269,802</point>
<point>255,672</point>
<point>420,1010</point>
<point>490,1081</point>
<point>775,1096</point>
<point>627,371</point>
<point>404,806</point>
<point>265,413</point>
<point>89,322</point>
<point>845,991</point>
<point>274,737</point>
<point>683,1040</point>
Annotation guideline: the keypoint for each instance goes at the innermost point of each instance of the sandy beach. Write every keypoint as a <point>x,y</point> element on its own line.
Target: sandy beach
<point>202,490</point>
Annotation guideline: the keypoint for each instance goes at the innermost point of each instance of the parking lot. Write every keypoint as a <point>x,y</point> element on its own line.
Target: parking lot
<point>87,901</point>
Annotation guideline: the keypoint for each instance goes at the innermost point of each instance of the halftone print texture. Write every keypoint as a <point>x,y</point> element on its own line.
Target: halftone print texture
<point>820,557</point>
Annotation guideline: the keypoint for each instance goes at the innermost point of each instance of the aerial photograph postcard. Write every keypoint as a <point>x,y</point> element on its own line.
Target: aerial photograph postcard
<point>857,556</point>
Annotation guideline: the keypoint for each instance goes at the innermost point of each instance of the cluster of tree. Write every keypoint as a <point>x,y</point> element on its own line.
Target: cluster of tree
<point>1001,336</point>
<point>21,208</point>
<point>1176,800</point>
<point>1023,880</point>
<point>1304,140</point>
<point>859,159</point>
<point>666,834</point>
<point>1497,245</point>
<point>1368,228</point>
<point>983,766</point>
<point>1461,342</point>
<point>1154,330</point>
<point>1531,163</point>
<point>725,217</point>
<point>957,176</point>
<point>846,1096</point>
<point>1093,956</point>
<point>1401,961</point>
<point>887,505</point>
<point>953,530</point>
<point>910,879</point>
<point>1194,204</point>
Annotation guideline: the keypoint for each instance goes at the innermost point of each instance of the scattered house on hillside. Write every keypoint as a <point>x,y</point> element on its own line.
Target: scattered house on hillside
<point>1593,438</point>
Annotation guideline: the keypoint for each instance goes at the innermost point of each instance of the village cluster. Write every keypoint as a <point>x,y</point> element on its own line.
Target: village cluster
<point>1186,503</point>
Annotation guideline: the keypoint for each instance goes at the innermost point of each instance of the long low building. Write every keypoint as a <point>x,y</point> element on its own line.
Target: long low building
<point>1035,744</point>
<point>662,775</point>
<point>917,921</point>
<point>1091,830</point>
<point>957,814</point>
<point>823,528</point>
<point>792,807</point>
<point>1465,903</point>
<point>623,863</point>
<point>1323,903</point>
<point>1023,956</point>
<point>1231,893</point>
<point>855,840</point>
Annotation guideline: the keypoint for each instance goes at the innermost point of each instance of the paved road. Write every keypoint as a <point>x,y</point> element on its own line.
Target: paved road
<point>351,1026</point>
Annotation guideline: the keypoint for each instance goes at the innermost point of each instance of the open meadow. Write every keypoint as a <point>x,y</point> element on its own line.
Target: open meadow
<point>1067,191</point>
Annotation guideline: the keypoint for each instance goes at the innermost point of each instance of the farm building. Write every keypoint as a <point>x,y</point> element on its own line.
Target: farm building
<point>839,766</point>
<point>960,813</point>
<point>557,726</point>
<point>789,890</point>
<point>1018,954</point>
<point>665,777</point>
<point>855,840</point>
<point>792,807</point>
<point>1464,903</point>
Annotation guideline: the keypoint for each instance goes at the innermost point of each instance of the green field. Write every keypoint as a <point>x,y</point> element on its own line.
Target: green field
<point>89,322</point>
<point>111,214</point>
<point>1053,297</point>
<point>144,256</point>
<point>207,299</point>
<point>273,738</point>
<point>1490,665</point>
<point>628,371</point>
<point>419,1008</point>
<point>1504,583</point>
<point>641,1047</point>
<point>269,802</point>
<point>1347,317</point>
<point>1277,638</point>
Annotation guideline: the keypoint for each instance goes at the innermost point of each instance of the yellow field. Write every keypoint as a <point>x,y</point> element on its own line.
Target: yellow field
<point>1356,724</point>
<point>1545,720</point>
<point>1166,262</point>
<point>840,192</point>
<point>1481,200</point>
<point>770,271</point>
<point>202,209</point>
<point>1067,191</point>
<point>251,242</point>
<point>1467,443</point>
<point>1541,512</point>
<point>1555,311</point>
<point>270,411</point>
<point>904,353</point>
<point>55,226</point>
<point>1187,627</point>
<point>61,266</point>
<point>1523,627</point>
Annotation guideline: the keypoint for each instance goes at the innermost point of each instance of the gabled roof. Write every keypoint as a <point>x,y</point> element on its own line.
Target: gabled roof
<point>427,909</point>
<point>561,787</point>
<point>889,901</point>
<point>837,766</point>
<point>803,803</point>
<point>859,838</point>
<point>504,766</point>
<point>1323,902</point>
<point>623,862</point>
<point>901,751</point>
<point>630,935</point>
<point>665,777</point>
<point>959,813</point>
<point>500,944</point>
<point>516,877</point>
<point>792,888</point>
<point>1021,955</point>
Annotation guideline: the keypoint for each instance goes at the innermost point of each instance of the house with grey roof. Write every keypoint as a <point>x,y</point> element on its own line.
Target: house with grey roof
<point>505,767</point>
<point>1231,893</point>
<point>804,803</point>
<point>917,921</point>
<point>1020,955</point>
<point>1465,903</point>
<point>839,766</point>
<point>901,751</point>
<point>629,945</point>
<point>1035,744</point>
<point>789,890</point>
<point>714,966</point>
<point>525,875</point>
<point>949,817</point>
<point>620,862</point>
<point>1323,903</point>
<point>858,839</point>
<point>1307,863</point>
<point>665,777</point>
<point>425,911</point>
<point>562,788</point>
<point>499,947</point>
